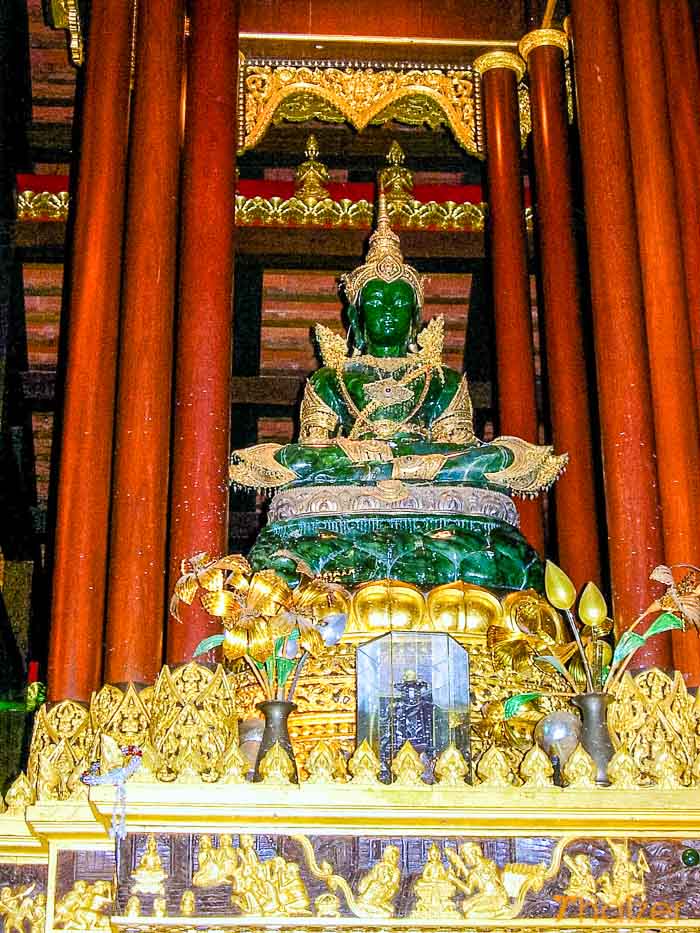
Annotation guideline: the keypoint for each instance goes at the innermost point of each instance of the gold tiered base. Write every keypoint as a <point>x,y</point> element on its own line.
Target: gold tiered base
<point>202,848</point>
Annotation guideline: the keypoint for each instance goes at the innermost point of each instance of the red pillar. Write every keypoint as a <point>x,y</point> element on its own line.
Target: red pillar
<point>80,550</point>
<point>624,396</point>
<point>515,363</point>
<point>544,50</point>
<point>199,495</point>
<point>668,332</point>
<point>137,566</point>
<point>683,89</point>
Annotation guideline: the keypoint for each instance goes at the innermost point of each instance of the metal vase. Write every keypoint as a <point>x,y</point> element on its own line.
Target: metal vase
<point>595,736</point>
<point>276,713</point>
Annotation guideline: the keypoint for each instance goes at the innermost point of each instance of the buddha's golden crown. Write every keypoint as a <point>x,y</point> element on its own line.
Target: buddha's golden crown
<point>384,260</point>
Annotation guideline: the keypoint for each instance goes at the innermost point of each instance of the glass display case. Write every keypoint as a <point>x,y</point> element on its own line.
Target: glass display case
<point>413,687</point>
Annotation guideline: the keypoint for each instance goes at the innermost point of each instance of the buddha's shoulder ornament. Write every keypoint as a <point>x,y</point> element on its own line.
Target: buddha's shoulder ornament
<point>331,346</point>
<point>533,468</point>
<point>431,341</point>
<point>256,467</point>
<point>456,424</point>
<point>317,420</point>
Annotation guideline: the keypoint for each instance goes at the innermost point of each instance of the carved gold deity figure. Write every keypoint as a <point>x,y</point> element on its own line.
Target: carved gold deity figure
<point>388,479</point>
<point>378,888</point>
<point>148,876</point>
<point>435,889</point>
<point>266,889</point>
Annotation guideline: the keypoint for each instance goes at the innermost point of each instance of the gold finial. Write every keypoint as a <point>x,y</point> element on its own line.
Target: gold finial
<point>384,260</point>
<point>494,769</point>
<point>623,771</point>
<point>666,768</point>
<point>276,767</point>
<point>232,766</point>
<point>536,768</point>
<point>407,767</point>
<point>580,769</point>
<point>325,764</point>
<point>364,765</point>
<point>20,794</point>
<point>451,768</point>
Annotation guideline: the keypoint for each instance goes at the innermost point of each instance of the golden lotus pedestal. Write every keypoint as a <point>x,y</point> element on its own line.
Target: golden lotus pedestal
<point>200,847</point>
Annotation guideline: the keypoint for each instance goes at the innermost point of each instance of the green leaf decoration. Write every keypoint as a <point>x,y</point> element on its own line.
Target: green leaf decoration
<point>513,705</point>
<point>629,642</point>
<point>284,669</point>
<point>664,623</point>
<point>207,644</point>
<point>553,662</point>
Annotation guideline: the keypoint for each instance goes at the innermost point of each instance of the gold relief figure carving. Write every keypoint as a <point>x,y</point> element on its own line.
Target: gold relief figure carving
<point>579,770</point>
<point>208,874</point>
<point>451,769</point>
<point>272,888</point>
<point>364,765</point>
<point>625,880</point>
<point>85,906</point>
<point>188,906</point>
<point>491,892</point>
<point>378,888</point>
<point>14,905</point>
<point>434,890</point>
<point>479,879</point>
<point>408,767</point>
<point>581,884</point>
<point>133,907</point>
<point>160,907</point>
<point>148,876</point>
<point>396,179</point>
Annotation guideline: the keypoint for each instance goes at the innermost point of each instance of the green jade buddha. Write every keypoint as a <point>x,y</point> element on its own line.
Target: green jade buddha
<point>388,479</point>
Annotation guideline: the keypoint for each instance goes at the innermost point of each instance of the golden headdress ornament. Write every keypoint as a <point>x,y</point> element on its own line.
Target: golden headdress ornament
<point>384,260</point>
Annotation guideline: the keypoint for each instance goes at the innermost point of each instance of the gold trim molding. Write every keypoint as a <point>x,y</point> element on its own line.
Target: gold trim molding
<point>538,37</point>
<point>275,211</point>
<point>360,94</point>
<point>500,59</point>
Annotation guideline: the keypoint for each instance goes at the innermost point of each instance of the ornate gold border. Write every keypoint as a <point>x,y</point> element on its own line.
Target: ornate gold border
<point>500,59</point>
<point>359,93</point>
<point>259,211</point>
<point>538,37</point>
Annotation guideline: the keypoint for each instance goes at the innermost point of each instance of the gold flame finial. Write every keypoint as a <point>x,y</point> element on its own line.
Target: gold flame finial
<point>384,259</point>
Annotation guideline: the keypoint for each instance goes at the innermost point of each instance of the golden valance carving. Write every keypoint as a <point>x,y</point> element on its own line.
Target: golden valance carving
<point>361,95</point>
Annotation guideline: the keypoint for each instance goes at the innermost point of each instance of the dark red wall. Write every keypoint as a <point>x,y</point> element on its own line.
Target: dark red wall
<point>434,19</point>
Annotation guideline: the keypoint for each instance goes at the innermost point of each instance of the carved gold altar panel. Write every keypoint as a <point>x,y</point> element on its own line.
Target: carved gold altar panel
<point>360,94</point>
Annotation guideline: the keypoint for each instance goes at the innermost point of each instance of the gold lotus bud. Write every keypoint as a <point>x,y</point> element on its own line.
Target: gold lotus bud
<point>592,609</point>
<point>560,590</point>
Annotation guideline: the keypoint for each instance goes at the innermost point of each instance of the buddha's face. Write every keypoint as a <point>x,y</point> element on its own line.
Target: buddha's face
<point>388,312</point>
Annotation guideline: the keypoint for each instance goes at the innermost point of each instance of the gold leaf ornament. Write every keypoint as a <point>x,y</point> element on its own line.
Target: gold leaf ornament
<point>561,592</point>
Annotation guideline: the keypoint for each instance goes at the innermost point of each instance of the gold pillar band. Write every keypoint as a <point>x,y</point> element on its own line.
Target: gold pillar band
<point>500,59</point>
<point>538,37</point>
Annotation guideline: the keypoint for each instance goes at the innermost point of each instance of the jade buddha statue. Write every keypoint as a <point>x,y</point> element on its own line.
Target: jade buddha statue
<point>387,478</point>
